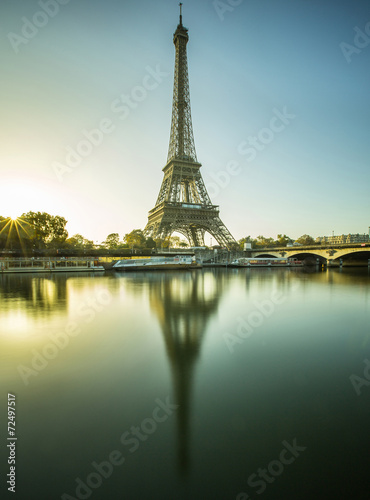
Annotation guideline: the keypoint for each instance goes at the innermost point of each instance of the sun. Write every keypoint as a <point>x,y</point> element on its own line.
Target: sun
<point>19,196</point>
<point>15,230</point>
<point>13,215</point>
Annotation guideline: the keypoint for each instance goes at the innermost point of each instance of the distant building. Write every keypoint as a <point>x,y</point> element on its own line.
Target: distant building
<point>343,239</point>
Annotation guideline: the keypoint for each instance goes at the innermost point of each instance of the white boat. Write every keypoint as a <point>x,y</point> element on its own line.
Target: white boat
<point>49,265</point>
<point>265,262</point>
<point>156,263</point>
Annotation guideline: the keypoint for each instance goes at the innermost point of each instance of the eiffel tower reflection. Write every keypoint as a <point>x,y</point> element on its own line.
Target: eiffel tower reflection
<point>184,303</point>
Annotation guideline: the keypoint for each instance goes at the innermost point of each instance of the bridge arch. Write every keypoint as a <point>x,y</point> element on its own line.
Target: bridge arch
<point>289,254</point>
<point>359,257</point>
<point>267,255</point>
<point>308,257</point>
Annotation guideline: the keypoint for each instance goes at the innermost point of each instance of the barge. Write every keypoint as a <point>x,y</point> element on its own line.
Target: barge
<point>177,262</point>
<point>265,262</point>
<point>49,265</point>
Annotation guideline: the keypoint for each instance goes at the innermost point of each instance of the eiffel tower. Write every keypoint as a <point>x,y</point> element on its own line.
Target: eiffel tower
<point>183,204</point>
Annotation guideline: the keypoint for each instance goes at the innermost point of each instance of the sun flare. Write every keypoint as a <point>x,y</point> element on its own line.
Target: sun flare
<point>20,196</point>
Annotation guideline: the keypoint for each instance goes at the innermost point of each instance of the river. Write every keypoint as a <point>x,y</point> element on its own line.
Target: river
<point>209,384</point>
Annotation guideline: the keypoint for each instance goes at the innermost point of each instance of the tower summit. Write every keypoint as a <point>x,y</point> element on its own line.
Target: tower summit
<point>183,204</point>
<point>180,13</point>
<point>181,140</point>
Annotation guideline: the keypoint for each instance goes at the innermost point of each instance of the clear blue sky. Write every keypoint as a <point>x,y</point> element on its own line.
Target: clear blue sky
<point>247,64</point>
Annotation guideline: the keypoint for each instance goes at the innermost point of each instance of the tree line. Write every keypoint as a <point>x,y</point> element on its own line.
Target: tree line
<point>40,231</point>
<point>282,240</point>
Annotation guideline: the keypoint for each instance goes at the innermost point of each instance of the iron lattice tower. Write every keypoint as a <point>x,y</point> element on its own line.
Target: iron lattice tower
<point>183,204</point>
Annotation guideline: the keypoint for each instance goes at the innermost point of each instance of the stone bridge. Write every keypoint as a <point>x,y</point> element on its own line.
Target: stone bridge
<point>353,251</point>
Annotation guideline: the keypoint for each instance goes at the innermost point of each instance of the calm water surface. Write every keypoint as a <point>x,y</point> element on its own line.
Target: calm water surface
<point>212,384</point>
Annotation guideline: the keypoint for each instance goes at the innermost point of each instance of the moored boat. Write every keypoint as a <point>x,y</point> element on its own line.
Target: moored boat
<point>265,262</point>
<point>156,263</point>
<point>49,264</point>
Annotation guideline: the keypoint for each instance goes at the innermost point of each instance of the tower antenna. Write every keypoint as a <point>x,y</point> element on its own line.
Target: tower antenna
<point>180,14</point>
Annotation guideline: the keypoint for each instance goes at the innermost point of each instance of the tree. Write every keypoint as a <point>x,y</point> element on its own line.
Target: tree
<point>78,242</point>
<point>247,239</point>
<point>264,242</point>
<point>174,241</point>
<point>162,242</point>
<point>150,243</point>
<point>111,241</point>
<point>282,240</point>
<point>15,234</point>
<point>88,244</point>
<point>5,231</point>
<point>47,230</point>
<point>305,239</point>
<point>241,243</point>
<point>135,239</point>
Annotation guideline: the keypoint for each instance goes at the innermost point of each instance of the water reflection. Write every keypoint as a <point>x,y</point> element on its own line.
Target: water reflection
<point>27,299</point>
<point>288,380</point>
<point>285,278</point>
<point>184,304</point>
<point>40,293</point>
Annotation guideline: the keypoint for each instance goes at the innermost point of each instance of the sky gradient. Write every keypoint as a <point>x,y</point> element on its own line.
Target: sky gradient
<point>280,111</point>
